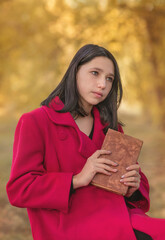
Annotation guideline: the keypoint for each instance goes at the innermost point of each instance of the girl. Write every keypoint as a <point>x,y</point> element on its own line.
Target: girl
<point>57,154</point>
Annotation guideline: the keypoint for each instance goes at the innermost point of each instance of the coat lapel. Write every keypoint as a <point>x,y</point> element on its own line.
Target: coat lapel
<point>86,146</point>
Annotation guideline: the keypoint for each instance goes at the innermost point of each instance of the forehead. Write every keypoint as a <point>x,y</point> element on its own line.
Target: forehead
<point>103,63</point>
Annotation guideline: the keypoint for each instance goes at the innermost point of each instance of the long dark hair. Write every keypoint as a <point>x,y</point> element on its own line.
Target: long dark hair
<point>68,93</point>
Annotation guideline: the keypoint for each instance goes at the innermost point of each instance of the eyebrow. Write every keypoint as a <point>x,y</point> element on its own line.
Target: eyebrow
<point>99,69</point>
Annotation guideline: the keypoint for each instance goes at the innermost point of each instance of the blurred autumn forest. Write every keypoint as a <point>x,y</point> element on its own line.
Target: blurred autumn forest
<point>38,39</point>
<point>37,42</point>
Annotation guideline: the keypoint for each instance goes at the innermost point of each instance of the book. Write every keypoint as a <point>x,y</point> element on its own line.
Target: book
<point>125,151</point>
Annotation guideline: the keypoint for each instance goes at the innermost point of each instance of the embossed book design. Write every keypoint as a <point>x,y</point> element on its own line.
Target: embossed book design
<point>125,151</point>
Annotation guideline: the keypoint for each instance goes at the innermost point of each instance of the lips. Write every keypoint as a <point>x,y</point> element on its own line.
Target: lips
<point>98,93</point>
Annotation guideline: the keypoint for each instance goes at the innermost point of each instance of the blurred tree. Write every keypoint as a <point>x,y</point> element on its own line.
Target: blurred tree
<point>39,38</point>
<point>150,78</point>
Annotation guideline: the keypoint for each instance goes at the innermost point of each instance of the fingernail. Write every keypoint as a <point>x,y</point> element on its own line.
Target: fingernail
<point>127,168</point>
<point>121,180</point>
<point>116,164</point>
<point>109,151</point>
<point>122,176</point>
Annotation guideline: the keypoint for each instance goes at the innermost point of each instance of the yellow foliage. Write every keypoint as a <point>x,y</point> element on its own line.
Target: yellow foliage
<point>39,38</point>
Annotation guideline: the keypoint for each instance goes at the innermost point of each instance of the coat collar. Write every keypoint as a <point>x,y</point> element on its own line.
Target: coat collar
<point>86,145</point>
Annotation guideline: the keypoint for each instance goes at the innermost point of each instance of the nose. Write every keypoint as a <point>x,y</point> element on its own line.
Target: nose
<point>101,83</point>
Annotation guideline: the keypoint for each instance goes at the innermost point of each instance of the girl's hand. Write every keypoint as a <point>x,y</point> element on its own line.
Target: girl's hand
<point>131,179</point>
<point>94,164</point>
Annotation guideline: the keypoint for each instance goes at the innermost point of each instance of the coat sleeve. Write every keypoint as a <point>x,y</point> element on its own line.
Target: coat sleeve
<point>141,199</point>
<point>30,185</point>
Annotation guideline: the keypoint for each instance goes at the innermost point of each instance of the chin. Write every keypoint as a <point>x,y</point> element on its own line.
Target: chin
<point>95,102</point>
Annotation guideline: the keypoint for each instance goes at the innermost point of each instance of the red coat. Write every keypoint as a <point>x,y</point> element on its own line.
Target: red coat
<point>48,150</point>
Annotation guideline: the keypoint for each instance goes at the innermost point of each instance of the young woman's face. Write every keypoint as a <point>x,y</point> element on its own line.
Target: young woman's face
<point>94,81</point>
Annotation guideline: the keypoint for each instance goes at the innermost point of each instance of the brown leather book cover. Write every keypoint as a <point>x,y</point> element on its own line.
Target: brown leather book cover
<point>125,151</point>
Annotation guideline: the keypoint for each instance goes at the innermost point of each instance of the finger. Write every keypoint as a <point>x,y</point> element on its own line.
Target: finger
<point>133,167</point>
<point>106,167</point>
<point>132,184</point>
<point>101,170</point>
<point>130,179</point>
<point>102,151</point>
<point>131,174</point>
<point>107,161</point>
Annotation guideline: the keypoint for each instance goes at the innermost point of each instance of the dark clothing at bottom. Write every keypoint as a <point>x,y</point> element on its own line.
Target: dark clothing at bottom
<point>141,235</point>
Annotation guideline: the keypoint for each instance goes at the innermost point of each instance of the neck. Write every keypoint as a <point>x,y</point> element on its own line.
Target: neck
<point>76,116</point>
<point>86,106</point>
